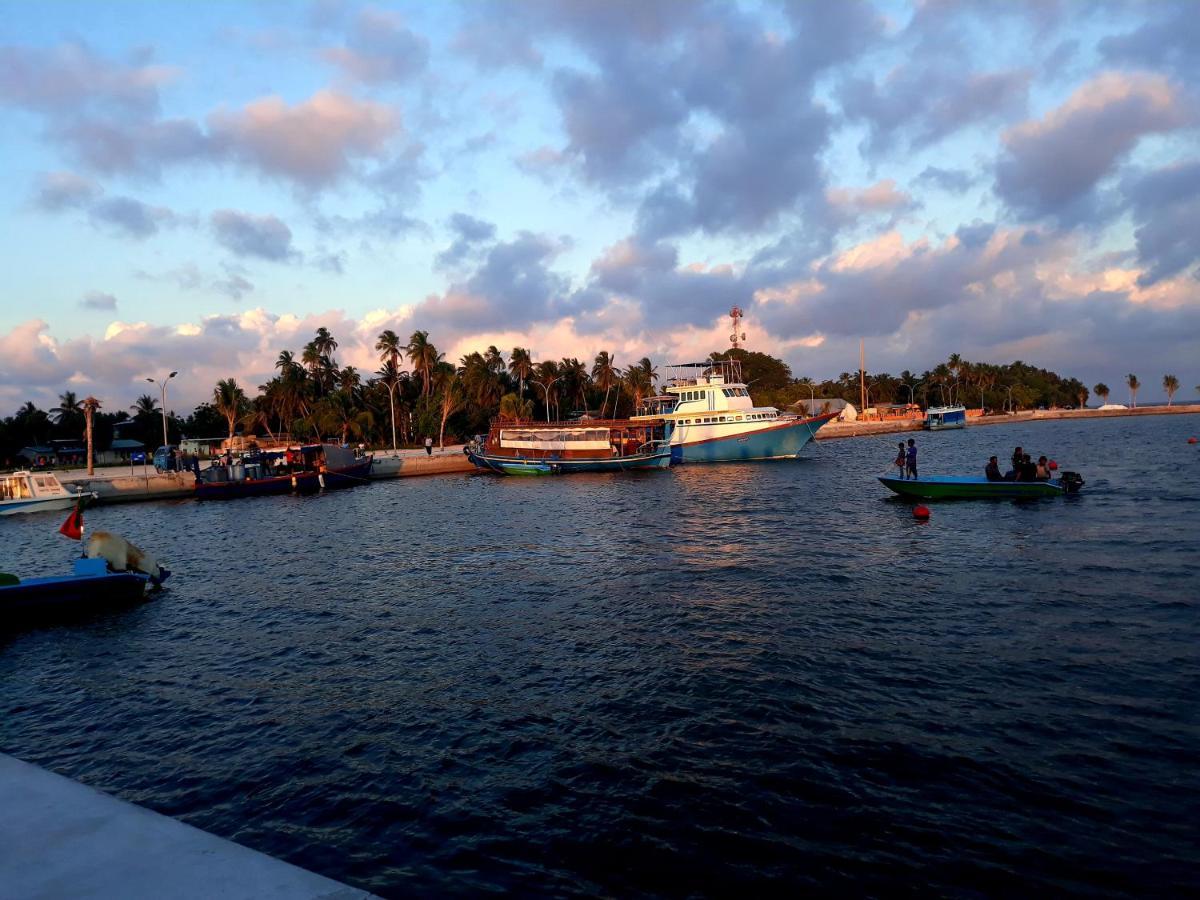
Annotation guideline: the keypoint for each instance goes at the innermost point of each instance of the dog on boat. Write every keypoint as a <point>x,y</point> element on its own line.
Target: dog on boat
<point>122,556</point>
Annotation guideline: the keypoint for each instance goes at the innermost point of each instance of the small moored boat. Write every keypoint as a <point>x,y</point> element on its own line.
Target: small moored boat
<point>23,492</point>
<point>612,445</point>
<point>943,418</point>
<point>302,470</point>
<point>91,586</point>
<point>968,487</point>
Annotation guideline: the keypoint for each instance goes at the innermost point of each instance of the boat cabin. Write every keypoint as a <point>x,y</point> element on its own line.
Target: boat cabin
<point>589,439</point>
<point>31,486</point>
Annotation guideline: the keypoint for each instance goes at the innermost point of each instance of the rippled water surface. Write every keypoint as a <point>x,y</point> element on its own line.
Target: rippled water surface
<point>763,677</point>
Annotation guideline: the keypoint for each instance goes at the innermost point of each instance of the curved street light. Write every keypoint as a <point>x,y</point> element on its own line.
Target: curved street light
<point>163,388</point>
<point>545,386</point>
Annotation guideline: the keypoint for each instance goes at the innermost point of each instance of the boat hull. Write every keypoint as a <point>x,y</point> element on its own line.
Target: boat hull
<point>949,487</point>
<point>38,597</point>
<point>510,465</point>
<point>777,441</point>
<point>38,504</point>
<point>300,483</point>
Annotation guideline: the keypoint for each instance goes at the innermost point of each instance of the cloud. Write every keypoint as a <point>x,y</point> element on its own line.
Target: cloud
<point>380,49</point>
<point>98,300</point>
<point>1166,39</point>
<point>71,78</point>
<point>1166,205</point>
<point>131,217</point>
<point>232,281</point>
<point>247,235</point>
<point>57,191</point>
<point>851,204</point>
<point>1050,165</point>
<point>469,234</point>
<point>956,181</point>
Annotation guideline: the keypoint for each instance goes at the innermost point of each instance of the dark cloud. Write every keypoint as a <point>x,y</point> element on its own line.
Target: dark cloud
<point>246,235</point>
<point>71,78</point>
<point>58,191</point>
<point>131,217</point>
<point>1051,165</point>
<point>380,49</point>
<point>1166,206</point>
<point>470,233</point>
<point>98,300</point>
<point>140,147</point>
<point>956,181</point>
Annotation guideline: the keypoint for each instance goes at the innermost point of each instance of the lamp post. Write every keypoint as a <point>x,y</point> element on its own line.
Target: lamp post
<point>392,403</point>
<point>912,397</point>
<point>162,385</point>
<point>812,400</point>
<point>546,388</point>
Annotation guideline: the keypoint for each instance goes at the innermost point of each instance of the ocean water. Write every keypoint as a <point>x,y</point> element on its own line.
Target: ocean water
<point>764,678</point>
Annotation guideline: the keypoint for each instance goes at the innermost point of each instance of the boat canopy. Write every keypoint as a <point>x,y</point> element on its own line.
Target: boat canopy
<point>555,438</point>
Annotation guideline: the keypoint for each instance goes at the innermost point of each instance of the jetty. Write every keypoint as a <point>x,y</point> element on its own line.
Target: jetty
<point>64,839</point>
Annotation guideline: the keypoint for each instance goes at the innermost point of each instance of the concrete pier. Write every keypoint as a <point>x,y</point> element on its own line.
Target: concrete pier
<point>59,838</point>
<point>128,488</point>
<point>406,463</point>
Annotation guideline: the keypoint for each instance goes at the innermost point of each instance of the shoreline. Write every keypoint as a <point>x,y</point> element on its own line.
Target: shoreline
<point>835,430</point>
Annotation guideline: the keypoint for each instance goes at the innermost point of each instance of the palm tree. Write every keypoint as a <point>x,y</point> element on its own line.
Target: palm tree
<point>604,376</point>
<point>480,382</point>
<point>389,347</point>
<point>230,401</point>
<point>90,405</point>
<point>547,375</point>
<point>68,410</point>
<point>145,405</point>
<point>338,412</point>
<point>1101,390</point>
<point>520,366</point>
<point>424,356</point>
<point>651,372</point>
<point>575,380</point>
<point>453,399</point>
<point>350,381</point>
<point>1134,384</point>
<point>325,343</point>
<point>495,361</point>
<point>1170,385</point>
<point>639,382</point>
<point>389,377</point>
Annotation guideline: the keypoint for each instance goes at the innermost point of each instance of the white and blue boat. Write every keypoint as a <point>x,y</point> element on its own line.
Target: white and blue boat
<point>943,418</point>
<point>91,586</point>
<point>23,492</point>
<point>714,418</point>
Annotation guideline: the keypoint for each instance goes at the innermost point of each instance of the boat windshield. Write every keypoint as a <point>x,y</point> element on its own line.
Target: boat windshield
<point>15,488</point>
<point>658,406</point>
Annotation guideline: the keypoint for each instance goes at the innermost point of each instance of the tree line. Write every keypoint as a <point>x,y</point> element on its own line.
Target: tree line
<point>416,392</point>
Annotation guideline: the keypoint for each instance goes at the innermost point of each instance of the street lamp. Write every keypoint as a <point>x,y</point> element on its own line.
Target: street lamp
<point>546,388</point>
<point>812,399</point>
<point>912,397</point>
<point>1010,400</point>
<point>163,388</point>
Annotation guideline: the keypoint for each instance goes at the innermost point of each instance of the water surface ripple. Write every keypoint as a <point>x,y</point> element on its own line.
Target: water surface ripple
<point>764,678</point>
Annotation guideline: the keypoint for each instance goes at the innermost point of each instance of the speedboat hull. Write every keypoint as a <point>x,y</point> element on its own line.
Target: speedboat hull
<point>39,504</point>
<point>964,487</point>
<point>723,443</point>
<point>90,589</point>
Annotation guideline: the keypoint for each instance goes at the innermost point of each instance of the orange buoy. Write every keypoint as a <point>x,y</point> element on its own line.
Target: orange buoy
<point>1052,466</point>
<point>1191,440</point>
<point>920,511</point>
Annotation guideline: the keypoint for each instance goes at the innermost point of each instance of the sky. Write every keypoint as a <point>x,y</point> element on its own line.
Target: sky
<point>196,187</point>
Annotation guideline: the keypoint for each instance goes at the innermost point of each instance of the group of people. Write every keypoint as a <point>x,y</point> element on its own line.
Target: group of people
<point>1023,468</point>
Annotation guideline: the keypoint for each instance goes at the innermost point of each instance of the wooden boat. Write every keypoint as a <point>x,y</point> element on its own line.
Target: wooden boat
<point>968,487</point>
<point>942,418</point>
<point>563,448</point>
<point>303,470</point>
<point>91,586</point>
<point>23,492</point>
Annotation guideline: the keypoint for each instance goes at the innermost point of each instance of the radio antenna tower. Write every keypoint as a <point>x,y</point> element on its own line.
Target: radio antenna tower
<point>738,336</point>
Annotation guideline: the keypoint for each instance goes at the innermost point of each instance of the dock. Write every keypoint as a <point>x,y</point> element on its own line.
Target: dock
<point>64,839</point>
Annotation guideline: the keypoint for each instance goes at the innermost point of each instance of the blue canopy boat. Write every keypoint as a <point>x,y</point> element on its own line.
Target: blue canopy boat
<point>969,487</point>
<point>91,586</point>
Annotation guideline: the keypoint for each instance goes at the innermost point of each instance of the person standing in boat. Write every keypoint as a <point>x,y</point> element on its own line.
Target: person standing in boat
<point>910,459</point>
<point>900,458</point>
<point>1043,469</point>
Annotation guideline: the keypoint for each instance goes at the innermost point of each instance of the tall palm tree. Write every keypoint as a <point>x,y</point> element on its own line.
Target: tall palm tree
<point>574,381</point>
<point>453,399</point>
<point>389,347</point>
<point>325,343</point>
<point>480,382</point>
<point>350,381</point>
<point>604,376</point>
<point>230,401</point>
<point>1132,381</point>
<point>651,372</point>
<point>1101,390</point>
<point>1170,385</point>
<point>495,361</point>
<point>90,405</point>
<point>424,356</point>
<point>639,382</point>
<point>520,366</point>
<point>68,411</point>
<point>145,405</point>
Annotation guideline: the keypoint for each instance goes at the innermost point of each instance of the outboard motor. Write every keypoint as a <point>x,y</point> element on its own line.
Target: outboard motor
<point>1071,482</point>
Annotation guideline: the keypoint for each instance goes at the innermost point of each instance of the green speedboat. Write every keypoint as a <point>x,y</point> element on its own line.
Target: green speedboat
<point>967,487</point>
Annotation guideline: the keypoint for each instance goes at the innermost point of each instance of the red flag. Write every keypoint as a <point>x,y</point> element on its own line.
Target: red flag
<point>73,527</point>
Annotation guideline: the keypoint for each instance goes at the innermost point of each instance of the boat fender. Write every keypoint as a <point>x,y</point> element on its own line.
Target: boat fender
<point>1052,466</point>
<point>293,482</point>
<point>921,512</point>
<point>321,479</point>
<point>1191,440</point>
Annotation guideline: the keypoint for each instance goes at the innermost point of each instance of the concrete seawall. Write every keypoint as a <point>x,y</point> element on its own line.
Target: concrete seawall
<point>128,488</point>
<point>63,839</point>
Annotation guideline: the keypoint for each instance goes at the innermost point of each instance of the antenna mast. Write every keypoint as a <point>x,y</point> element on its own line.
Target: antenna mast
<point>737,336</point>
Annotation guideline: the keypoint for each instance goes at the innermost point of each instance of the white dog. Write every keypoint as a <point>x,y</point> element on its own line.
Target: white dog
<point>122,555</point>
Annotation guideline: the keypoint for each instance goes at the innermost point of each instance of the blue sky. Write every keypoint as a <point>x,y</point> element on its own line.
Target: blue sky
<point>198,186</point>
